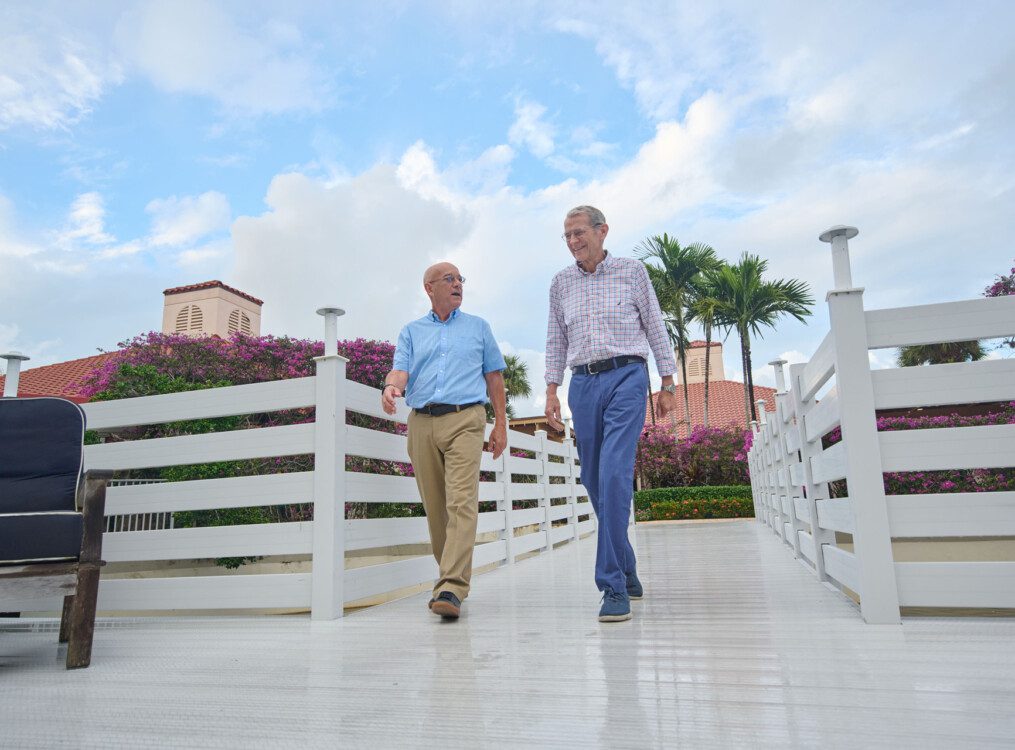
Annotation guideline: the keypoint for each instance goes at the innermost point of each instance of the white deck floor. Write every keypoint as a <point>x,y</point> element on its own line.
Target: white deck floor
<point>735,645</point>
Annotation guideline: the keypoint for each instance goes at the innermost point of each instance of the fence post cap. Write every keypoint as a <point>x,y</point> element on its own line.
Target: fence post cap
<point>330,310</point>
<point>838,230</point>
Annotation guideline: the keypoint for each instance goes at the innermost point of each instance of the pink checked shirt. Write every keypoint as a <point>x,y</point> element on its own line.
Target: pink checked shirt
<point>608,313</point>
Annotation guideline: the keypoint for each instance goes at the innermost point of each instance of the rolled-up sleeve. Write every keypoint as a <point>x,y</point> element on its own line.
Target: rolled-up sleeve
<point>556,339</point>
<point>652,323</point>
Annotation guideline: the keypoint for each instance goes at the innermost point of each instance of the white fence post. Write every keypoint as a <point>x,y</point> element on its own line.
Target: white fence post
<point>506,505</point>
<point>787,492</point>
<point>13,375</point>
<point>572,491</point>
<point>752,467</point>
<point>768,470</point>
<point>328,573</point>
<point>544,459</point>
<point>872,542</point>
<point>813,491</point>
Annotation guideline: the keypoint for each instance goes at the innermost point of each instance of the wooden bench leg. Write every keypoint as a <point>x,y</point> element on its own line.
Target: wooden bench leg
<point>68,604</point>
<point>82,619</point>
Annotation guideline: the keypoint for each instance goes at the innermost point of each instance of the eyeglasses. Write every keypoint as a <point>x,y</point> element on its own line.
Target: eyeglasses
<point>578,233</point>
<point>449,279</point>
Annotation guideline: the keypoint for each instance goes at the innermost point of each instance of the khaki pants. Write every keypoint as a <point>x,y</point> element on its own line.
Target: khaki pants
<point>445,453</point>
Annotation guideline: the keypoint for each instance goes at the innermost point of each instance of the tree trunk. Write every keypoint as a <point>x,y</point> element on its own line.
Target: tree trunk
<point>743,366</point>
<point>750,380</point>
<point>687,398</point>
<point>708,354</point>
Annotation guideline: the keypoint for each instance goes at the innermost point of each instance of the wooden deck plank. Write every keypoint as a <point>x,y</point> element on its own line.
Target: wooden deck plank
<point>734,645</point>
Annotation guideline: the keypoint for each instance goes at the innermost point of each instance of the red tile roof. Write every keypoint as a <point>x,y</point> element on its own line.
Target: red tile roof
<point>699,344</point>
<point>211,285</point>
<point>62,379</point>
<point>725,405</point>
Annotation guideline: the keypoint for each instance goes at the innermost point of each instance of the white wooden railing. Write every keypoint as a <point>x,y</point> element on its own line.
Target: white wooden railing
<point>791,471</point>
<point>563,513</point>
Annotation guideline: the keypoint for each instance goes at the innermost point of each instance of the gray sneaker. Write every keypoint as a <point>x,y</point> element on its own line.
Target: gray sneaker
<point>616,606</point>
<point>634,588</point>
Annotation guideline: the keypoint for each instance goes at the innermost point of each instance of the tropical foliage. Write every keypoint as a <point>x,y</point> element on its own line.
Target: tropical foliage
<point>749,303</point>
<point>708,456</point>
<point>939,354</point>
<point>516,383</point>
<point>951,480</point>
<point>675,281</point>
<point>694,285</point>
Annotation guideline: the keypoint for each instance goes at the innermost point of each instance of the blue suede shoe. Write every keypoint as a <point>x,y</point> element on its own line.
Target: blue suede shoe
<point>634,589</point>
<point>616,606</point>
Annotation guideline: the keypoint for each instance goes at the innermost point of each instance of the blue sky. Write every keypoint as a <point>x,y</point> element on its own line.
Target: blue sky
<point>320,153</point>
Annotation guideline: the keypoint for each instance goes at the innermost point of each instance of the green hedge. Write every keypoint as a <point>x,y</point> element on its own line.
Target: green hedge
<point>670,510</point>
<point>645,499</point>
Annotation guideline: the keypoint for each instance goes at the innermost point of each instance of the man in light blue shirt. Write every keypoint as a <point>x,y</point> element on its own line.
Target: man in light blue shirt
<point>448,365</point>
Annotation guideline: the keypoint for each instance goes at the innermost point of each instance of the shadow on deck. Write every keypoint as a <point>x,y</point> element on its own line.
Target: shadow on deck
<point>734,645</point>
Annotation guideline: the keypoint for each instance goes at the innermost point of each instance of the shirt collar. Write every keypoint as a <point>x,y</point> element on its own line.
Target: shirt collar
<point>606,262</point>
<point>433,316</point>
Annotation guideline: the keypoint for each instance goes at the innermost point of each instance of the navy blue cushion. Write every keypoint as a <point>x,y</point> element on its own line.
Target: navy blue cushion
<point>40,454</point>
<point>39,536</point>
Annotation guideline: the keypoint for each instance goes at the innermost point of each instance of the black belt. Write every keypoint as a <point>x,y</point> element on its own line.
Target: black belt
<point>606,364</point>
<point>437,410</point>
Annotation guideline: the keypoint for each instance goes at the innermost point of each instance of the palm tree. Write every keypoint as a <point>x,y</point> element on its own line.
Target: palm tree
<point>938,354</point>
<point>748,303</point>
<point>673,281</point>
<point>706,308</point>
<point>516,382</point>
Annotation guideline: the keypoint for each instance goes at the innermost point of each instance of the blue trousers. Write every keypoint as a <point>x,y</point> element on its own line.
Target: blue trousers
<point>608,410</point>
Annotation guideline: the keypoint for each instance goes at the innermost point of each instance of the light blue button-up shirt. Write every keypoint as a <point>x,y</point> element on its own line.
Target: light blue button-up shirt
<point>446,360</point>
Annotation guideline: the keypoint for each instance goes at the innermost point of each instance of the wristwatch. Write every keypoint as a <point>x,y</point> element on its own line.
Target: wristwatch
<point>669,389</point>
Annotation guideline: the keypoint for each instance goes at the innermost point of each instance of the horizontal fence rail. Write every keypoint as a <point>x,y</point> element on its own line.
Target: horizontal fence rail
<point>817,464</point>
<point>322,564</point>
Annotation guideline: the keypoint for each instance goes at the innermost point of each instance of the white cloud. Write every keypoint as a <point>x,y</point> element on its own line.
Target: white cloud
<point>530,130</point>
<point>362,245</point>
<point>194,47</point>
<point>205,256</point>
<point>87,222</point>
<point>45,82</point>
<point>179,221</point>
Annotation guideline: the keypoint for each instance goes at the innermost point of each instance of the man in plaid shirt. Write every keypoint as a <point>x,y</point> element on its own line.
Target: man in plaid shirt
<point>604,319</point>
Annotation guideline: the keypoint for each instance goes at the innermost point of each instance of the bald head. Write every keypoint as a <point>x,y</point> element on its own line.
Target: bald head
<point>437,270</point>
<point>443,285</point>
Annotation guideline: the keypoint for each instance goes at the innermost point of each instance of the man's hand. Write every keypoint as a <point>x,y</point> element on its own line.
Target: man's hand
<point>552,412</point>
<point>388,396</point>
<point>498,438</point>
<point>667,404</point>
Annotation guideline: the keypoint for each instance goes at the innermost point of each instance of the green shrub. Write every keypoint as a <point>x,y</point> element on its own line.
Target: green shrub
<point>644,499</point>
<point>732,507</point>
